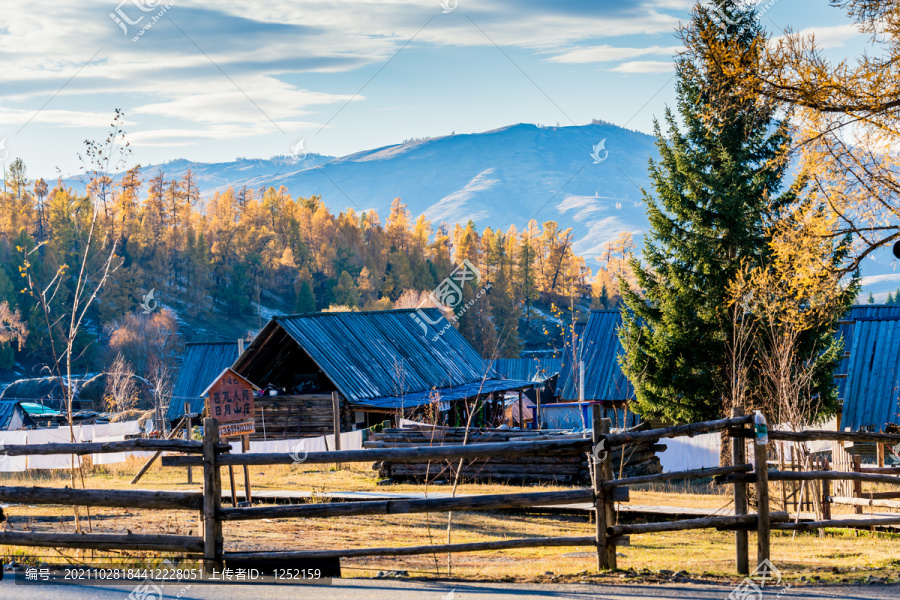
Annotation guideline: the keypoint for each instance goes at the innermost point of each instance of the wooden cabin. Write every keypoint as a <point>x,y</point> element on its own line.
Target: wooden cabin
<point>374,365</point>
<point>595,344</point>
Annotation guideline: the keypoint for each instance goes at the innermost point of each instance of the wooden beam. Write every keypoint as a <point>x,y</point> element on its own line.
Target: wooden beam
<point>540,542</point>
<point>608,506</point>
<point>809,476</point>
<point>213,541</point>
<point>813,435</point>
<point>862,523</point>
<point>763,548</point>
<point>245,448</point>
<point>723,522</point>
<point>336,408</point>
<point>398,455</point>
<point>80,449</point>
<point>864,502</point>
<point>188,428</point>
<point>597,430</point>
<point>881,470</point>
<point>102,541</point>
<point>692,474</point>
<point>153,458</point>
<point>406,506</point>
<point>741,538</point>
<point>631,437</point>
<point>115,498</point>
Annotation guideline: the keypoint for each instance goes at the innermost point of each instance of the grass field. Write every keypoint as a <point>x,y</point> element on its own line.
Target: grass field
<point>707,554</point>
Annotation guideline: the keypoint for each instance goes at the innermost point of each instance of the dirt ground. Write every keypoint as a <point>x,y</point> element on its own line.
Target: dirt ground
<point>839,556</point>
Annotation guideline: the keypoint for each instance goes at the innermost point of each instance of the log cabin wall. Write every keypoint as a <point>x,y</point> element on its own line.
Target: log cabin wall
<point>298,416</point>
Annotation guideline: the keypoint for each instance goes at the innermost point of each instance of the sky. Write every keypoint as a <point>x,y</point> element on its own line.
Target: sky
<point>213,81</point>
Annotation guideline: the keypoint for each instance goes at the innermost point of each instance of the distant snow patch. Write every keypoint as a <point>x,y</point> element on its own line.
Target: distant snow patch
<point>455,207</point>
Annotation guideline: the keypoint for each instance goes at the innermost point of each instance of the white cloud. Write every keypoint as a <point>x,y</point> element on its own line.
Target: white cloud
<point>594,54</point>
<point>836,36</point>
<point>645,66</point>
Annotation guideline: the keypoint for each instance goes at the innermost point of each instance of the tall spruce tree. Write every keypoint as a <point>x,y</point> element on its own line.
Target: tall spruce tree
<point>716,188</point>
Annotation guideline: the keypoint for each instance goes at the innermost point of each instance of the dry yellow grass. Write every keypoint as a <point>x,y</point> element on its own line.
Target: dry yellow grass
<point>839,556</point>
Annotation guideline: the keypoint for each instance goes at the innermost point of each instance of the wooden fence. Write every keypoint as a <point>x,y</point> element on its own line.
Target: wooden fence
<point>604,493</point>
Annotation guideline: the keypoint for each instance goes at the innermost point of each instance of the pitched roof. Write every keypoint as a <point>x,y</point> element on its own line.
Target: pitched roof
<point>847,327</point>
<point>872,389</point>
<point>528,369</point>
<point>200,365</point>
<point>597,343</point>
<point>205,392</point>
<point>375,358</point>
<point>8,409</point>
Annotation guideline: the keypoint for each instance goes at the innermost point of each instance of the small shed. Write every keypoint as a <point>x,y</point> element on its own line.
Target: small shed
<point>13,416</point>
<point>596,345</point>
<point>230,399</point>
<point>872,388</point>
<point>201,364</point>
<point>381,364</point>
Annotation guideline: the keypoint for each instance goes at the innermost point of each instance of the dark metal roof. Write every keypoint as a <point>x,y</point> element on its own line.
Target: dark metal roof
<point>8,409</point>
<point>395,355</point>
<point>847,327</point>
<point>597,344</point>
<point>872,389</point>
<point>526,369</point>
<point>201,364</point>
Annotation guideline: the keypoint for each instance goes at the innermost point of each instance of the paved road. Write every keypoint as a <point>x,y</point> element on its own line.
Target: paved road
<point>368,589</point>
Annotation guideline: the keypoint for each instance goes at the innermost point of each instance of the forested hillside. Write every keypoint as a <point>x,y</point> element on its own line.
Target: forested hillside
<point>241,254</point>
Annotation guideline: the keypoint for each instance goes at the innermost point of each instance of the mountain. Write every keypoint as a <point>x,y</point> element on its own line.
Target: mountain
<point>497,178</point>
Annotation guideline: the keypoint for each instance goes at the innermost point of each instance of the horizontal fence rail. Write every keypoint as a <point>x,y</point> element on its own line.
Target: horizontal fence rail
<point>839,523</point>
<point>82,448</point>
<point>809,476</point>
<point>404,506</point>
<point>871,502</point>
<point>691,474</point>
<point>723,522</point>
<point>103,541</point>
<point>149,499</point>
<point>815,435</point>
<point>397,455</point>
<point>633,437</point>
<point>601,497</point>
<point>538,542</point>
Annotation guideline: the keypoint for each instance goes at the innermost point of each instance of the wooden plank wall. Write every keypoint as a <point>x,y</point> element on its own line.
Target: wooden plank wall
<point>290,417</point>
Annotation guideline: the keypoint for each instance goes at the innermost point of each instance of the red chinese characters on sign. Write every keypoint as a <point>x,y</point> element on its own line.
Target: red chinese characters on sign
<point>230,399</point>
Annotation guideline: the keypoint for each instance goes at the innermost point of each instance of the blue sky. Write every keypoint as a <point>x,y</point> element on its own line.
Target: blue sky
<point>212,81</point>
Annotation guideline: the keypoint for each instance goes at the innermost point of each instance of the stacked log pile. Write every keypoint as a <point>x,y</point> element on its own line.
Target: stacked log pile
<point>640,459</point>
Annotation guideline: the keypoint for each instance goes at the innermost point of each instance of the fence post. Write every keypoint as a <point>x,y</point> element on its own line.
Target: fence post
<point>762,503</point>
<point>826,496</point>
<point>857,485</point>
<point>187,436</point>
<point>603,506</point>
<point>336,409</point>
<point>738,457</point>
<point>213,542</point>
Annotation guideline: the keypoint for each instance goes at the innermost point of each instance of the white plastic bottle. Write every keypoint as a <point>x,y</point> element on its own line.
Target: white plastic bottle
<point>761,429</point>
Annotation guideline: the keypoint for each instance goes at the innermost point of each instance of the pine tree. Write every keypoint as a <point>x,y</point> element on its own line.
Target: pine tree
<point>890,298</point>
<point>713,184</point>
<point>345,292</point>
<point>871,299</point>
<point>306,300</point>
